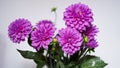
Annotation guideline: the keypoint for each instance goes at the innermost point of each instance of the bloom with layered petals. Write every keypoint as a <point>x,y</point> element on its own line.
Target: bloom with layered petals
<point>78,16</point>
<point>42,34</point>
<point>91,31</point>
<point>19,29</point>
<point>92,43</point>
<point>70,40</point>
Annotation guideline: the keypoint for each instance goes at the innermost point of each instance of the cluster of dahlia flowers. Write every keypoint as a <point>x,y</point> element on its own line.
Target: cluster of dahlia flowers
<point>77,38</point>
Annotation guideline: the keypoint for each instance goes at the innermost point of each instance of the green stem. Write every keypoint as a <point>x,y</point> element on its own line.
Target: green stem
<point>54,63</point>
<point>85,52</point>
<point>82,53</point>
<point>67,59</point>
<point>55,17</point>
<point>51,66</point>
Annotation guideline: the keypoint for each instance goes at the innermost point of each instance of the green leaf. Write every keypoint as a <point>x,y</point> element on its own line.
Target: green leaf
<point>92,62</point>
<point>38,57</point>
<point>27,54</point>
<point>40,64</point>
<point>30,55</point>
<point>76,66</point>
<point>60,65</point>
<point>71,65</point>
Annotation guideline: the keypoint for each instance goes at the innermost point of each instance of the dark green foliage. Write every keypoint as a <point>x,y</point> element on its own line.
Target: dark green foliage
<point>92,62</point>
<point>55,57</point>
<point>36,56</point>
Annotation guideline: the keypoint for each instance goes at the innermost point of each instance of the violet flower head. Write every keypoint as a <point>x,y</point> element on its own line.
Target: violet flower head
<point>92,43</point>
<point>78,16</point>
<point>19,29</point>
<point>70,40</point>
<point>91,31</point>
<point>42,34</point>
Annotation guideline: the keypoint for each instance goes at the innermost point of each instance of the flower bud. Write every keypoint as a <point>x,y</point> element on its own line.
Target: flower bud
<point>54,40</point>
<point>85,39</point>
<point>53,48</point>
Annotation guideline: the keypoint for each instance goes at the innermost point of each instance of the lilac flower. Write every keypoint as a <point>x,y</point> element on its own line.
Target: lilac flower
<point>91,31</point>
<point>70,40</point>
<point>19,29</point>
<point>78,16</point>
<point>42,34</point>
<point>92,43</point>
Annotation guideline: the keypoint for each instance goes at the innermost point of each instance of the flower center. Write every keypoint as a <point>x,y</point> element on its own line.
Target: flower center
<point>80,13</point>
<point>19,30</point>
<point>70,40</point>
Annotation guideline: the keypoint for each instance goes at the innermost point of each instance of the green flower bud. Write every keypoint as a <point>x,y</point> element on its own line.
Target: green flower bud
<point>85,39</point>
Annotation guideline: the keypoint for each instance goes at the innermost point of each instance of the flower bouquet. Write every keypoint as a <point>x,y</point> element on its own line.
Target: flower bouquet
<point>69,48</point>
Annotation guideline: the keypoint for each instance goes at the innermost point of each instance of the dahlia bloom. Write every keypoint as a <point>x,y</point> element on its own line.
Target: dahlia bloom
<point>70,40</point>
<point>78,16</point>
<point>92,43</point>
<point>42,34</point>
<point>91,31</point>
<point>19,29</point>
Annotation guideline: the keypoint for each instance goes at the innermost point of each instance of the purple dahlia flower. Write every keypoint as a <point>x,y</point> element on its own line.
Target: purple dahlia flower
<point>19,29</point>
<point>70,40</point>
<point>91,31</point>
<point>42,34</point>
<point>78,16</point>
<point>92,43</point>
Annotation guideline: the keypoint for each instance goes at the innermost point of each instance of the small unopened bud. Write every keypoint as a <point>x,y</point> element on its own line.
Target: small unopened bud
<point>54,40</point>
<point>53,48</point>
<point>85,39</point>
<point>53,9</point>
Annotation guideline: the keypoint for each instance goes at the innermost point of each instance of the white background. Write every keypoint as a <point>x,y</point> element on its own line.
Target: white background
<point>106,15</point>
